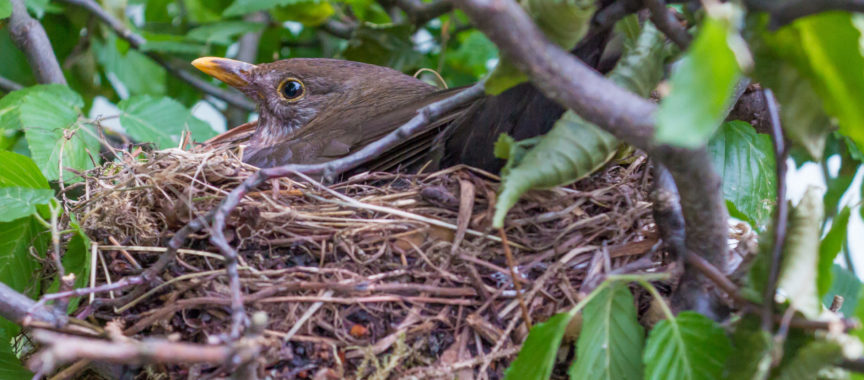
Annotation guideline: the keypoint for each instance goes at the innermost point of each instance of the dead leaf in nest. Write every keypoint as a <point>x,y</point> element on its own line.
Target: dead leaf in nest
<point>416,238</point>
<point>359,331</point>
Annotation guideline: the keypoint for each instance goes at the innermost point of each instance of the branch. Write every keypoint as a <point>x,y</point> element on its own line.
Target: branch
<point>19,308</point>
<point>29,36</point>
<point>568,81</point>
<point>420,13</point>
<point>667,23</point>
<point>9,85</point>
<point>338,28</point>
<point>231,97</point>
<point>784,12</point>
<point>780,218</point>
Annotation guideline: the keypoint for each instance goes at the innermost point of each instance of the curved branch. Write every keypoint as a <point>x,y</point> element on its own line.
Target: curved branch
<point>231,97</point>
<point>668,24</point>
<point>29,36</point>
<point>573,84</point>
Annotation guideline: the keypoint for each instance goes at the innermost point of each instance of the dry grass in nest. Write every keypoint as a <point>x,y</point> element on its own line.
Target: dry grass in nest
<point>382,276</point>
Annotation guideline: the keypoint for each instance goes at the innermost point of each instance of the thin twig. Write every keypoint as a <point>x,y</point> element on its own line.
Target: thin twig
<point>231,97</point>
<point>9,85</point>
<point>420,12</point>
<point>511,264</point>
<point>781,213</point>
<point>29,36</point>
<point>784,12</point>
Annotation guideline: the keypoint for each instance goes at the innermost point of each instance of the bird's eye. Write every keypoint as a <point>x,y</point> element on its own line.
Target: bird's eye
<point>292,89</point>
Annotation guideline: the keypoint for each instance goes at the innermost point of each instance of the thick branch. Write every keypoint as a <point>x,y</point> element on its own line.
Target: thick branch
<point>29,36</point>
<point>784,12</point>
<point>19,308</point>
<point>231,97</point>
<point>568,81</point>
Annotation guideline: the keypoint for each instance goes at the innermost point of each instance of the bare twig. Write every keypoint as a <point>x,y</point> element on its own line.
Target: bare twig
<point>668,24</point>
<point>29,36</point>
<point>784,12</point>
<point>231,97</point>
<point>781,213</point>
<point>339,29</point>
<point>19,308</point>
<point>512,266</point>
<point>9,85</point>
<point>571,83</point>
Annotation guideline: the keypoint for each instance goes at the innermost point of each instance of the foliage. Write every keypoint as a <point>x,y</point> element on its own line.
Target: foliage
<point>814,66</point>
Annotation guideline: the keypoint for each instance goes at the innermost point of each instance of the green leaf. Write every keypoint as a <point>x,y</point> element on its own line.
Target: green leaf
<point>563,22</point>
<point>859,313</point>
<point>810,360</point>
<point>688,347</point>
<point>49,116</point>
<point>753,351</point>
<point>11,367</point>
<point>241,7</point>
<point>611,341</point>
<point>387,45</point>
<point>17,266</point>
<point>128,71</point>
<point>19,170</point>
<point>574,148</point>
<point>160,121</point>
<point>745,161</point>
<point>19,202</point>
<point>75,260</point>
<point>224,32</point>
<point>831,43</point>
<point>5,9</point>
<point>701,88</point>
<point>10,113</point>
<point>537,356</point>
<point>309,13</point>
<point>830,247</point>
<point>473,54</point>
<point>846,285</point>
<point>798,271</point>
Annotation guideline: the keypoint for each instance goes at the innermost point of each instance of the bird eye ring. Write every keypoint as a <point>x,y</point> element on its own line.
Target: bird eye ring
<point>292,89</point>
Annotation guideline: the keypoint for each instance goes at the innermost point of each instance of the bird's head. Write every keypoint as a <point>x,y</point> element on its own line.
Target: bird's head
<point>291,93</point>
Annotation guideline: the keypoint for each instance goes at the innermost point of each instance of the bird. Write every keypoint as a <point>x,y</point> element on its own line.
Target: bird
<point>313,110</point>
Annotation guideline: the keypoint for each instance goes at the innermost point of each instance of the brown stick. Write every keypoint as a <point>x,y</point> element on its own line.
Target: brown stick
<point>668,24</point>
<point>781,213</point>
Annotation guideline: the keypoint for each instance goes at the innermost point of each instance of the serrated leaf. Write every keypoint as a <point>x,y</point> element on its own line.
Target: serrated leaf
<point>701,88</point>
<point>753,351</point>
<point>611,341</point>
<point>160,121</point>
<point>830,247</point>
<point>745,161</point>
<point>129,71</point>
<point>20,202</point>
<point>798,271</point>
<point>574,148</point>
<point>20,170</point>
<point>563,22</point>
<point>537,356</point>
<point>688,347</point>
<point>17,266</point>
<point>223,32</point>
<point>49,116</point>
<point>845,284</point>
<point>388,45</point>
<point>810,360</point>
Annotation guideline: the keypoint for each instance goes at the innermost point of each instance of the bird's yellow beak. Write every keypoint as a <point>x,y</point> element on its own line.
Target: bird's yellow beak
<point>234,73</point>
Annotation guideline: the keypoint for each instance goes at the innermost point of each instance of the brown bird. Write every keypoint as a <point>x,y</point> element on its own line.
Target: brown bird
<point>313,110</point>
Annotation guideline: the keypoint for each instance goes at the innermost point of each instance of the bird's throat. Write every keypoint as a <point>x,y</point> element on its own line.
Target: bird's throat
<point>271,130</point>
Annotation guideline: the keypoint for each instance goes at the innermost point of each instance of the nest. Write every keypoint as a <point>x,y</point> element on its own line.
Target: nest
<point>381,276</point>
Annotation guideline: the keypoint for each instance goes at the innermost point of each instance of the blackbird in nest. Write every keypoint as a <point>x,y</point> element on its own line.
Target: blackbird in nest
<point>313,110</point>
